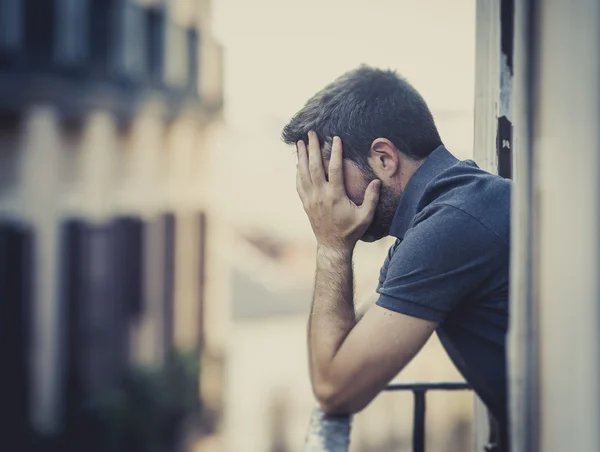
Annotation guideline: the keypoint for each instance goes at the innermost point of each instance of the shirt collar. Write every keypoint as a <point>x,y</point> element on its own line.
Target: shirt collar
<point>437,162</point>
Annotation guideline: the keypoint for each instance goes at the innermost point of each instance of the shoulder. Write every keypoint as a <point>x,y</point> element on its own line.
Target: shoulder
<point>466,178</point>
<point>470,194</point>
<point>444,256</point>
<point>442,222</point>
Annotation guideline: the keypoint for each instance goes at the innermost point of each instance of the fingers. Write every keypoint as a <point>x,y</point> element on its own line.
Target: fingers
<point>371,199</point>
<point>336,171</point>
<point>302,172</point>
<point>299,184</point>
<point>315,163</point>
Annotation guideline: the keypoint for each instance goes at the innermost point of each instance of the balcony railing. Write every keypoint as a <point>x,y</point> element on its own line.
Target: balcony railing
<point>419,391</point>
<point>108,54</point>
<point>332,433</point>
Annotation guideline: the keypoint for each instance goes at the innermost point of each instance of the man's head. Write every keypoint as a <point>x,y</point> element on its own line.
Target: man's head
<point>386,129</point>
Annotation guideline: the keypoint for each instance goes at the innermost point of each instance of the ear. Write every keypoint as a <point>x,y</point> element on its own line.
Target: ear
<point>384,157</point>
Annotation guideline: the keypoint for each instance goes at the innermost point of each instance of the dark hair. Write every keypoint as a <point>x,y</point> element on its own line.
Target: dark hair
<point>365,104</point>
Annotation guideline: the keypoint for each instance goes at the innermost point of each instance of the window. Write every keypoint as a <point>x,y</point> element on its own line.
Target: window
<point>100,14</point>
<point>16,273</point>
<point>128,259</point>
<point>10,25</point>
<point>39,19</point>
<point>155,38</point>
<point>193,59</point>
<point>169,281</point>
<point>71,31</point>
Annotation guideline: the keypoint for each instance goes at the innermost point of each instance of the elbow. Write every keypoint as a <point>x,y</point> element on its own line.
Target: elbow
<point>334,401</point>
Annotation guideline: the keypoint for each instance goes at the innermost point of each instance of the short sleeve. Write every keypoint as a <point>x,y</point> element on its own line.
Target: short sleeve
<point>445,256</point>
<point>386,264</point>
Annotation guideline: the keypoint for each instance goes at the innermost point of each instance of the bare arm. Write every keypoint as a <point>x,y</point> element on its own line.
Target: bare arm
<point>350,362</point>
<point>361,308</point>
<point>332,314</point>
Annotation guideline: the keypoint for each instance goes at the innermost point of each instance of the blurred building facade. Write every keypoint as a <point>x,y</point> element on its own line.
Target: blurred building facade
<point>105,106</point>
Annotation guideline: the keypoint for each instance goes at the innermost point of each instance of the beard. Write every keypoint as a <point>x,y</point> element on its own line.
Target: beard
<point>384,212</point>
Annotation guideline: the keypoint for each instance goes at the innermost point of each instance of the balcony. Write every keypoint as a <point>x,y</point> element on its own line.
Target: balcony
<point>108,54</point>
<point>332,433</point>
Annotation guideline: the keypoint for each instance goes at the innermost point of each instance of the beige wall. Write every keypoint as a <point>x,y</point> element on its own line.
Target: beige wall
<point>566,163</point>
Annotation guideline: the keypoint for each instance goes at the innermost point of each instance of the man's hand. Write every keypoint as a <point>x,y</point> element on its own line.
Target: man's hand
<point>337,222</point>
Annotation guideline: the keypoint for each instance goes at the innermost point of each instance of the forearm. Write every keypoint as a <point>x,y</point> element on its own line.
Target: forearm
<point>332,314</point>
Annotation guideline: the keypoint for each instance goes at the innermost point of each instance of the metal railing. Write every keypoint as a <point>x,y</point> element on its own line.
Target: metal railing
<point>419,391</point>
<point>332,433</point>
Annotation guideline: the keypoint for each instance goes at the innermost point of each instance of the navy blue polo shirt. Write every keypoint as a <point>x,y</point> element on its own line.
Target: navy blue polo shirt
<point>450,264</point>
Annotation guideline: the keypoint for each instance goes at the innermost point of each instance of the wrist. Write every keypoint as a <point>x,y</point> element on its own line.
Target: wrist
<point>335,251</point>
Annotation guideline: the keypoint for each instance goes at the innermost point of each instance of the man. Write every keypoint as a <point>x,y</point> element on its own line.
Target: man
<point>370,164</point>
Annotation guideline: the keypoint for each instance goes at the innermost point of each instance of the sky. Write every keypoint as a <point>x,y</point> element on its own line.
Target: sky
<point>278,53</point>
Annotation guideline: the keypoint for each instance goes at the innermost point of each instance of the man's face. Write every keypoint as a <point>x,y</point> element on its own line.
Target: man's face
<point>356,181</point>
